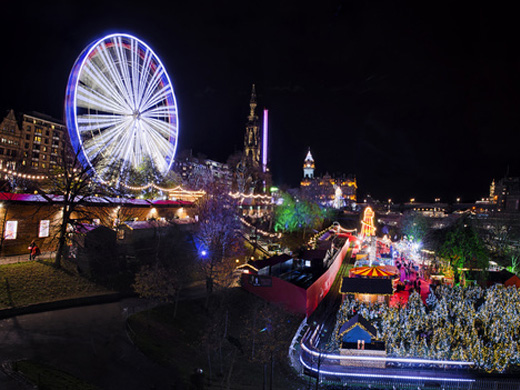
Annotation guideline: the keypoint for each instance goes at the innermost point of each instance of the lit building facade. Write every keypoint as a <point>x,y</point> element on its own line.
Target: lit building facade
<point>31,143</point>
<point>195,171</point>
<point>507,194</point>
<point>325,189</point>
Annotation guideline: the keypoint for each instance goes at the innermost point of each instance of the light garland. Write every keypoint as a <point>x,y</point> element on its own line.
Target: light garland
<point>237,195</point>
<point>23,175</point>
<point>261,232</point>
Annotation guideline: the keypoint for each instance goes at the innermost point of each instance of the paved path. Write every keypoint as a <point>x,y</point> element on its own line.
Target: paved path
<point>89,342</point>
<point>25,257</point>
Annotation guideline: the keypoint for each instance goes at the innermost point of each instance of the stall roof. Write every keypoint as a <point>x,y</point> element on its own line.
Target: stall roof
<point>361,321</point>
<point>49,198</point>
<point>366,286</point>
<point>8,196</point>
<point>171,203</point>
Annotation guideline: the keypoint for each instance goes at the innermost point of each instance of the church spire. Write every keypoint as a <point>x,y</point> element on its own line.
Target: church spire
<point>252,143</point>
<point>252,105</point>
<point>308,166</point>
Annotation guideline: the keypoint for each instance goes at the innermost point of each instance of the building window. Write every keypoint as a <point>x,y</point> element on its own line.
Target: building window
<point>47,132</point>
<point>26,145</point>
<point>11,229</point>
<point>46,140</point>
<point>44,228</point>
<point>37,138</point>
<point>44,148</point>
<point>1,150</point>
<point>34,164</point>
<point>24,163</point>
<point>27,137</point>
<point>44,157</point>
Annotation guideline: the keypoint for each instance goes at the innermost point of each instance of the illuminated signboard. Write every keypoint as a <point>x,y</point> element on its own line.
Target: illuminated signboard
<point>11,228</point>
<point>44,228</point>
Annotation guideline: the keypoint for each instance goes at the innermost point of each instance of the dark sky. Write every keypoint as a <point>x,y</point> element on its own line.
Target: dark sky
<point>418,100</point>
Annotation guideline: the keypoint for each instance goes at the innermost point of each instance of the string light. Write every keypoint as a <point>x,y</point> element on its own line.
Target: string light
<point>237,195</point>
<point>261,232</point>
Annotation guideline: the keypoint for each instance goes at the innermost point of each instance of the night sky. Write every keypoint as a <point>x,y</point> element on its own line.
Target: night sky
<point>418,100</point>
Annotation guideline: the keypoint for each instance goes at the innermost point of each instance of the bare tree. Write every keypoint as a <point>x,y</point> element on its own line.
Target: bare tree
<point>218,234</point>
<point>72,185</point>
<point>171,268</point>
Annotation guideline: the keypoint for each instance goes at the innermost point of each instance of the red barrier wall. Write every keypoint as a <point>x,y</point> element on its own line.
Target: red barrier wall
<point>282,292</point>
<point>317,291</point>
<point>294,298</point>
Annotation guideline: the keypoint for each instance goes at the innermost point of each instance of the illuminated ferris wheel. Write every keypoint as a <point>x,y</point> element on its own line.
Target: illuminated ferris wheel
<point>120,107</point>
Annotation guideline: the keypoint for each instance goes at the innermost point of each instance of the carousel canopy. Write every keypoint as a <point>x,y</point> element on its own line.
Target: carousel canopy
<point>371,272</point>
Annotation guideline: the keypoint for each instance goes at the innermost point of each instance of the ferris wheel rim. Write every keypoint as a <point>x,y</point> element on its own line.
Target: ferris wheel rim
<point>71,101</point>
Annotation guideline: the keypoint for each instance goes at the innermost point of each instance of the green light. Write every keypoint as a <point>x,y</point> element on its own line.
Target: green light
<point>273,189</point>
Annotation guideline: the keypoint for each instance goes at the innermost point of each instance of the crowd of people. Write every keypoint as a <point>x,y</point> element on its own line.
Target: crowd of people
<point>460,323</point>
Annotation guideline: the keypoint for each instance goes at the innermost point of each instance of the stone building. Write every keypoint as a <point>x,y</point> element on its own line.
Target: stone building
<point>31,144</point>
<point>333,191</point>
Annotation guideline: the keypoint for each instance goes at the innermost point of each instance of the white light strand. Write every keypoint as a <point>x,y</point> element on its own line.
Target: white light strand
<point>261,232</point>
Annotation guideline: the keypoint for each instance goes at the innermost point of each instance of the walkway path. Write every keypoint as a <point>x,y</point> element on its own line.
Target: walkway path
<point>89,342</point>
<point>24,258</point>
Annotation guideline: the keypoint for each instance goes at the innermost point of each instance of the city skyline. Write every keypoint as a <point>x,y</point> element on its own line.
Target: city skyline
<point>414,102</point>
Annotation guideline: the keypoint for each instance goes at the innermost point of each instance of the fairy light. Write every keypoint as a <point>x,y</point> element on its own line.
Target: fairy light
<point>237,195</point>
<point>261,232</point>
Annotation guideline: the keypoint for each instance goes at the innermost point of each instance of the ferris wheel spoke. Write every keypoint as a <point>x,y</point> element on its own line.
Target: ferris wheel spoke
<point>124,71</point>
<point>160,112</point>
<point>160,127</point>
<point>127,149</point>
<point>144,72</point>
<point>89,122</point>
<point>153,85</point>
<point>91,99</point>
<point>157,97</point>
<point>136,74</point>
<point>105,140</point>
<point>156,136</point>
<point>113,71</point>
<point>102,84</point>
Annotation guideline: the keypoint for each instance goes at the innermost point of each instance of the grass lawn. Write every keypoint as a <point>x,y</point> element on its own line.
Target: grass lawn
<point>26,283</point>
<point>179,343</point>
<point>49,378</point>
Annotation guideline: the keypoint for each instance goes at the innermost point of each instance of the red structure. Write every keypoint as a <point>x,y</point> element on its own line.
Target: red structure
<point>295,298</point>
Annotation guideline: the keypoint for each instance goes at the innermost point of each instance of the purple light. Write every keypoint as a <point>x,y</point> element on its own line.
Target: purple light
<point>387,359</point>
<point>385,376</point>
<point>264,141</point>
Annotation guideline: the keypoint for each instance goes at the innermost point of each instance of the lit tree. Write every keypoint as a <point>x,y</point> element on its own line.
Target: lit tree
<point>464,248</point>
<point>414,225</point>
<point>218,233</point>
<point>295,214</point>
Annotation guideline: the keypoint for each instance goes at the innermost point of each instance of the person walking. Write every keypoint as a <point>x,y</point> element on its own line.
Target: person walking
<point>34,251</point>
